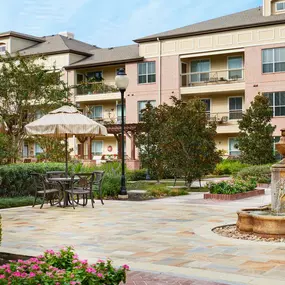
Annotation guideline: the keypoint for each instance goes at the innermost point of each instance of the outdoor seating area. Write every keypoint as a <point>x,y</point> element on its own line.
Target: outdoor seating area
<point>62,190</point>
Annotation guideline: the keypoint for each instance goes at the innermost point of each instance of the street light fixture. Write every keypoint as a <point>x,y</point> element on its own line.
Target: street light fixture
<point>122,82</point>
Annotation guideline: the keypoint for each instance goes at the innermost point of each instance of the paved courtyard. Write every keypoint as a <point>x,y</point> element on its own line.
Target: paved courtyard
<point>170,236</point>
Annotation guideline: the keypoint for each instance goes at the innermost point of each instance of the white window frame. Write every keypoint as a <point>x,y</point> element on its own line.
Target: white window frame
<point>274,105</point>
<point>35,148</point>
<point>280,10</point>
<point>147,74</point>
<point>273,62</point>
<point>119,117</point>
<point>102,147</point>
<point>93,71</point>
<point>138,106</point>
<point>236,109</point>
<point>97,118</point>
<point>190,68</point>
<point>229,148</point>
<point>242,66</point>
<point>2,52</point>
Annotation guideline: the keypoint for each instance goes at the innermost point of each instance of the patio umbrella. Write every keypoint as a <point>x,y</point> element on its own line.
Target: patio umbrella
<point>64,123</point>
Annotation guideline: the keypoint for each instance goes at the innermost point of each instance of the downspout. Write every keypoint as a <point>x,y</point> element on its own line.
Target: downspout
<point>159,71</point>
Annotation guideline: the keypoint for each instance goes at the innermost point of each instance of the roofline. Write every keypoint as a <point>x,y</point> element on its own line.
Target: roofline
<point>21,36</point>
<point>58,52</point>
<point>71,67</point>
<point>154,38</point>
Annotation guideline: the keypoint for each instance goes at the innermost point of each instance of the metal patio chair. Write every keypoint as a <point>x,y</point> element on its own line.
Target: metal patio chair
<point>50,191</point>
<point>97,184</point>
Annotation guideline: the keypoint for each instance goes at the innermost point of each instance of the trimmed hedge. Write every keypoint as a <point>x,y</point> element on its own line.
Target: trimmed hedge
<point>16,180</point>
<point>232,187</point>
<point>260,173</point>
<point>229,167</point>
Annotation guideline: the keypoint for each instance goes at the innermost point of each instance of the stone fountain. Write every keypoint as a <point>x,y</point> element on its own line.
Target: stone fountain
<point>269,221</point>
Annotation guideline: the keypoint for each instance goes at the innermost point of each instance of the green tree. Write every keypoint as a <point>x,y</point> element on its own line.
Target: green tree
<point>7,151</point>
<point>190,146</point>
<point>27,87</point>
<point>255,140</point>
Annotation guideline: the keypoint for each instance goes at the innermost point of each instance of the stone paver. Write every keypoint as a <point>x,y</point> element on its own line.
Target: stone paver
<point>171,236</point>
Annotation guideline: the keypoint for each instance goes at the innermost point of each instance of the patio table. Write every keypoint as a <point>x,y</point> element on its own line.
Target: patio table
<point>66,183</point>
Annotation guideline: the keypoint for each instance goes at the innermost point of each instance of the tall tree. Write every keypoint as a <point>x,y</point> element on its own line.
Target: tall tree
<point>26,87</point>
<point>255,140</point>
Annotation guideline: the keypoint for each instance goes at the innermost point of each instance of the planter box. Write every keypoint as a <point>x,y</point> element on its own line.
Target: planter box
<point>263,185</point>
<point>232,197</point>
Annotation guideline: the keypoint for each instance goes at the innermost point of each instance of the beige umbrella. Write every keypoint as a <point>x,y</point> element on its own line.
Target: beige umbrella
<point>65,122</point>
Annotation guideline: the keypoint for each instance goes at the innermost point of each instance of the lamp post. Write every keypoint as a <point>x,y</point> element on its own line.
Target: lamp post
<point>122,82</point>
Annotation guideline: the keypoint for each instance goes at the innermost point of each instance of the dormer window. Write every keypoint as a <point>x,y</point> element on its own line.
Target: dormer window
<point>280,6</point>
<point>2,48</point>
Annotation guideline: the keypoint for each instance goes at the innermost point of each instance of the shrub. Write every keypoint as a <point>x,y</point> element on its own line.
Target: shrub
<point>260,173</point>
<point>111,185</point>
<point>16,180</point>
<point>136,175</point>
<point>232,187</point>
<point>229,167</point>
<point>63,267</point>
<point>161,190</point>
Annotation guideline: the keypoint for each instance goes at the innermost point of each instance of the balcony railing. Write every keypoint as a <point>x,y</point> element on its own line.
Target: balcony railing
<point>107,121</point>
<point>224,117</point>
<point>212,77</point>
<point>95,88</point>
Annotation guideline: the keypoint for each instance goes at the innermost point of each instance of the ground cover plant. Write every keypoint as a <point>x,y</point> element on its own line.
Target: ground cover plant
<point>61,268</point>
<point>232,187</point>
<point>229,167</point>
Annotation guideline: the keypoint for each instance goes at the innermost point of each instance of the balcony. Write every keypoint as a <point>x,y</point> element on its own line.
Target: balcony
<point>214,81</point>
<point>96,91</point>
<point>227,122</point>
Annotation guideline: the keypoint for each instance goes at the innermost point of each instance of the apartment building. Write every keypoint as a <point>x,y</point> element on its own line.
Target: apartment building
<point>225,62</point>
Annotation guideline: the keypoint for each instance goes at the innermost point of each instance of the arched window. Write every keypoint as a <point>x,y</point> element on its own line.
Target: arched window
<point>2,48</point>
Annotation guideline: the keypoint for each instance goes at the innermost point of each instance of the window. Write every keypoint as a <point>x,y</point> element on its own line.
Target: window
<point>233,147</point>
<point>97,147</point>
<point>119,113</point>
<point>280,6</point>
<point>2,48</point>
<point>96,112</point>
<point>142,105</point>
<point>235,66</point>
<point>273,60</point>
<point>146,72</point>
<point>80,78</point>
<point>38,149</point>
<point>208,105</point>
<point>277,103</point>
<point>235,108</point>
<point>38,114</point>
<point>200,70</point>
<point>95,76</point>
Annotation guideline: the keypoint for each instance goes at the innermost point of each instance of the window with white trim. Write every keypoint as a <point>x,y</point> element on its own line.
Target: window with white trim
<point>97,147</point>
<point>273,60</point>
<point>235,108</point>
<point>94,76</point>
<point>119,113</point>
<point>142,106</point>
<point>146,72</point>
<point>200,70</point>
<point>2,48</point>
<point>96,112</point>
<point>280,6</point>
<point>208,105</point>
<point>38,149</point>
<point>277,103</point>
<point>233,147</point>
<point>235,67</point>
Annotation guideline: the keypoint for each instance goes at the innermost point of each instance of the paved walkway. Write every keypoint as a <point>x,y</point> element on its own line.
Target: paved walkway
<point>170,236</point>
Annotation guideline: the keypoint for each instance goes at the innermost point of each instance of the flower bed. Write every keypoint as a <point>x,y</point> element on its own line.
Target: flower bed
<point>233,190</point>
<point>60,268</point>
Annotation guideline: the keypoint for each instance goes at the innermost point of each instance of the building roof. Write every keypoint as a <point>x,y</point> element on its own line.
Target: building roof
<point>245,19</point>
<point>59,44</point>
<point>21,36</point>
<point>107,56</point>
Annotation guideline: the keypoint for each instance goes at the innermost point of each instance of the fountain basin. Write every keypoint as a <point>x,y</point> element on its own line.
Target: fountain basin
<point>261,222</point>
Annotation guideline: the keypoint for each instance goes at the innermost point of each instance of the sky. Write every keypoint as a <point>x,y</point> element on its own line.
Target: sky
<point>109,23</point>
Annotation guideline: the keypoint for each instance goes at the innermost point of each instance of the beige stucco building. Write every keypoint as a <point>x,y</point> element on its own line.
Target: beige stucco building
<point>225,62</point>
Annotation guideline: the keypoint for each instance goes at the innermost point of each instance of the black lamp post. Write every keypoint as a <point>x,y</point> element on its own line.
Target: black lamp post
<point>122,82</point>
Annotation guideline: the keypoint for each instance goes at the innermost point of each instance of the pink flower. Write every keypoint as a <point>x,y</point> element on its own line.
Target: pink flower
<point>125,266</point>
<point>2,276</point>
<point>100,275</point>
<point>90,270</point>
<point>100,261</point>
<point>32,274</point>
<point>35,267</point>
<point>84,261</point>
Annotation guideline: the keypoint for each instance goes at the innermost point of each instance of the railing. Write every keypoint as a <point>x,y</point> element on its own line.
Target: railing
<point>107,121</point>
<point>212,77</point>
<point>224,117</point>
<point>95,88</point>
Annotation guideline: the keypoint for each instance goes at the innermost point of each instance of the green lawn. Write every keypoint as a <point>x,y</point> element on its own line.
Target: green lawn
<point>16,202</point>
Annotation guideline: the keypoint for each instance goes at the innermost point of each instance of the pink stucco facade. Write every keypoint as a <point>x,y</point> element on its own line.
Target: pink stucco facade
<point>166,85</point>
<point>257,82</point>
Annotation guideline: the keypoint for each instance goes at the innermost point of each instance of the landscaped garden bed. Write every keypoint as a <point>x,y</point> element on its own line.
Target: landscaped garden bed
<point>233,190</point>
